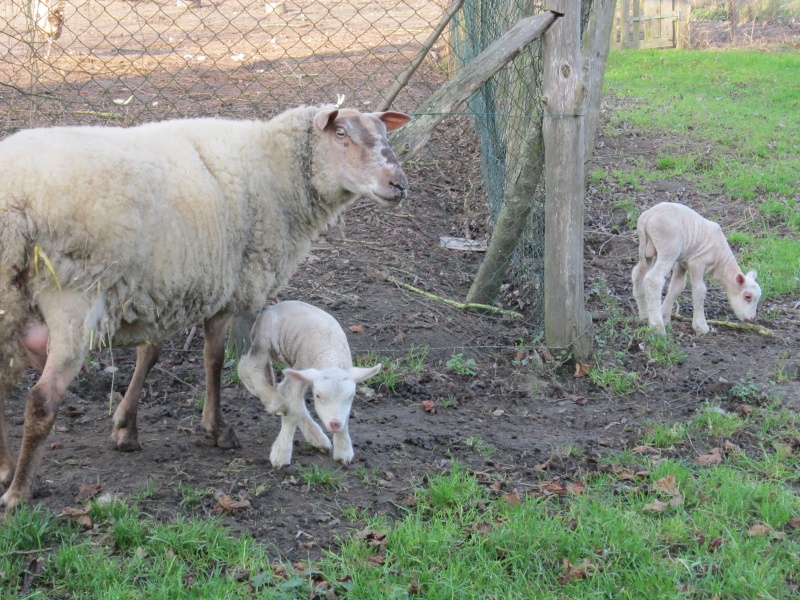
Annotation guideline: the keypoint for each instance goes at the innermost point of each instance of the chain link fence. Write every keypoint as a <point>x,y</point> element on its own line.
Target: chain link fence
<point>124,62</point>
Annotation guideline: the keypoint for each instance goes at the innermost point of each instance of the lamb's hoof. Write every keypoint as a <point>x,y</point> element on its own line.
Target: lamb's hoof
<point>322,442</point>
<point>126,439</point>
<point>6,473</point>
<point>226,439</point>
<point>10,501</point>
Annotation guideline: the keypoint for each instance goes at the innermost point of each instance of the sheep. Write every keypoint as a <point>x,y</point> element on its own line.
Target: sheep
<point>50,21</point>
<point>113,236</point>
<point>312,343</point>
<point>674,237</point>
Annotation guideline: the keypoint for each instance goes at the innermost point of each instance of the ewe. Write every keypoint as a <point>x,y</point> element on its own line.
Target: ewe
<point>313,344</point>
<point>121,237</point>
<point>674,237</point>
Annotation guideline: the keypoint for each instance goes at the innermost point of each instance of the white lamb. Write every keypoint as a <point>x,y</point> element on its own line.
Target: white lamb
<point>312,343</point>
<point>122,236</point>
<point>674,237</point>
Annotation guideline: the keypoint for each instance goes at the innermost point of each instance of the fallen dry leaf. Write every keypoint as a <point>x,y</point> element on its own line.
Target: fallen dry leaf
<point>793,523</point>
<point>552,487</point>
<point>86,492</point>
<point>576,488</point>
<point>729,446</point>
<point>582,369</point>
<point>714,545</point>
<point>656,506</point>
<point>582,571</point>
<point>378,559</point>
<point>645,449</point>
<point>712,458</point>
<point>759,530</point>
<point>428,406</point>
<point>782,449</point>
<point>579,400</point>
<point>667,485</point>
<point>745,410</point>
<point>356,328</point>
<point>228,503</point>
<point>512,497</point>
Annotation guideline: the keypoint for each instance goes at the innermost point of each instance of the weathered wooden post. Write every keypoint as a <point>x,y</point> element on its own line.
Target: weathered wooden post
<point>568,325</point>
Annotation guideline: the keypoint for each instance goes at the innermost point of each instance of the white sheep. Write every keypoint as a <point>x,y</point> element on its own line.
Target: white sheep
<point>121,237</point>
<point>313,344</point>
<point>673,237</point>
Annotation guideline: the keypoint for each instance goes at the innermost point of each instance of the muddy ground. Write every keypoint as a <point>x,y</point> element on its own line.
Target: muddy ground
<point>521,419</point>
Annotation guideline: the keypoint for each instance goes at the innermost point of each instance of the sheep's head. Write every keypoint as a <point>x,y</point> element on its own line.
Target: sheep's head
<point>745,295</point>
<point>333,390</point>
<point>357,155</point>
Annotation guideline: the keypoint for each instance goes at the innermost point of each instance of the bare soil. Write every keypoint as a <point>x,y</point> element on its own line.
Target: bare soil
<point>521,419</point>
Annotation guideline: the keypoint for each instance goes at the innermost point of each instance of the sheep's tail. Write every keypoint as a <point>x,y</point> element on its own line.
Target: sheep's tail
<point>15,297</point>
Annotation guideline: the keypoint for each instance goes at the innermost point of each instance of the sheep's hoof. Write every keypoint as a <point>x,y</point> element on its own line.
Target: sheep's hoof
<point>6,473</point>
<point>10,501</point>
<point>226,438</point>
<point>126,439</point>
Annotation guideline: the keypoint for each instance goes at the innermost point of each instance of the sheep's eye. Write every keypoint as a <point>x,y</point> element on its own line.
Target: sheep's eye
<point>340,132</point>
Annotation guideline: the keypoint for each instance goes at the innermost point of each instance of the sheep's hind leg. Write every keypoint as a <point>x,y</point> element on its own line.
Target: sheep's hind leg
<point>222,434</point>
<point>69,340</point>
<point>125,434</point>
<point>6,456</point>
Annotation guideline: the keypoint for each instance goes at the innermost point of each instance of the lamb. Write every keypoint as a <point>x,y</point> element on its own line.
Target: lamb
<point>112,236</point>
<point>674,237</point>
<point>310,341</point>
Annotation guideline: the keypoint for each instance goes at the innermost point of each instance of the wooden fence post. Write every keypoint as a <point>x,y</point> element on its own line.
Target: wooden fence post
<point>568,325</point>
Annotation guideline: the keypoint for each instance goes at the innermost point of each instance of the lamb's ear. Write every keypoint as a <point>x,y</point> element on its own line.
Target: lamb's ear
<point>359,374</point>
<point>752,274</point>
<point>306,375</point>
<point>393,120</point>
<point>739,279</point>
<point>325,118</point>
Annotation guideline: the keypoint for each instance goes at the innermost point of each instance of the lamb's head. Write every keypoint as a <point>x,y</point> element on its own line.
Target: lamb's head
<point>357,156</point>
<point>744,296</point>
<point>333,390</point>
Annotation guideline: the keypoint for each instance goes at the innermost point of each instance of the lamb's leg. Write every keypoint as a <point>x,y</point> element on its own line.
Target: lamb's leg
<point>343,446</point>
<point>69,339</point>
<point>214,423</point>
<point>125,433</point>
<point>677,284</point>
<point>313,432</point>
<point>699,323</point>
<point>281,452</point>
<point>637,278</point>
<point>253,370</point>
<point>654,284</point>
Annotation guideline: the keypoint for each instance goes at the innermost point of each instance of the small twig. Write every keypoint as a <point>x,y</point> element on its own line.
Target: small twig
<point>734,325</point>
<point>383,276</point>
<point>22,552</point>
<point>190,338</point>
<point>157,368</point>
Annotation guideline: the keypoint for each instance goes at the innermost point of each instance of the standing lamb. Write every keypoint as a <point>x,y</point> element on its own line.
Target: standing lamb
<point>674,237</point>
<point>313,344</point>
<point>112,236</point>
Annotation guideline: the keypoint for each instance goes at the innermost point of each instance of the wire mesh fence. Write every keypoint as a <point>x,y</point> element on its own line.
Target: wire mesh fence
<point>124,62</point>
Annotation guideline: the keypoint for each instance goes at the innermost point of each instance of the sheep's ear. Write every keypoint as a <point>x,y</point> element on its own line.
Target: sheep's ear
<point>359,374</point>
<point>393,120</point>
<point>325,118</point>
<point>739,278</point>
<point>752,274</point>
<point>306,375</point>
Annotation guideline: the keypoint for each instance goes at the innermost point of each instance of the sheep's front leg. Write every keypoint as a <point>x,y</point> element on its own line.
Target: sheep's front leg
<point>699,323</point>
<point>313,432</point>
<point>343,446</point>
<point>214,423</point>
<point>676,286</point>
<point>125,434</point>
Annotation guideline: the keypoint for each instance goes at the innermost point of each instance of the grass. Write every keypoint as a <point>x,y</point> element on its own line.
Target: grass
<point>732,118</point>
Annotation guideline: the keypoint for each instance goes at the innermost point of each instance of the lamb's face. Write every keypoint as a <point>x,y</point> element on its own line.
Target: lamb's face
<point>744,301</point>
<point>333,391</point>
<point>358,158</point>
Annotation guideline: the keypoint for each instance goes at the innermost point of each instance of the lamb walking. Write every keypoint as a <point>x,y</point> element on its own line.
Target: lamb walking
<point>313,344</point>
<point>673,237</point>
<point>122,236</point>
